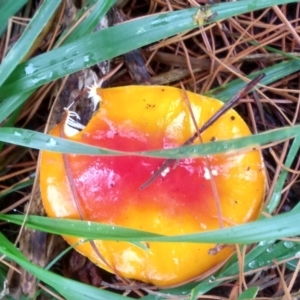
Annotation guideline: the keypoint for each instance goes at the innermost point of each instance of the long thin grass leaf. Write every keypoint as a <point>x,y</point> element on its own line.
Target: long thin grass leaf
<point>273,73</point>
<point>70,289</point>
<point>276,195</point>
<point>27,39</point>
<point>89,24</point>
<point>37,140</point>
<point>115,41</point>
<point>9,8</point>
<point>268,229</point>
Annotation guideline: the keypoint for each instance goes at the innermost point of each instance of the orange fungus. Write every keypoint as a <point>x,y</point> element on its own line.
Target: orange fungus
<point>187,197</point>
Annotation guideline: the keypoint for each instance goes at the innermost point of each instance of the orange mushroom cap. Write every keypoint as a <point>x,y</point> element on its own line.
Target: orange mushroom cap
<point>180,201</point>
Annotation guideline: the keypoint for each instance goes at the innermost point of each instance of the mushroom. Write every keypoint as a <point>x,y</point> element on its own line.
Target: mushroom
<point>194,195</point>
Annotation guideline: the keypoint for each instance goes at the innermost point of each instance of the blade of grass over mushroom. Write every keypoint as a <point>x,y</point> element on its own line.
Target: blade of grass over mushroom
<point>9,8</point>
<point>207,124</point>
<point>70,289</point>
<point>105,44</point>
<point>86,229</point>
<point>37,140</point>
<point>20,49</point>
<point>268,229</point>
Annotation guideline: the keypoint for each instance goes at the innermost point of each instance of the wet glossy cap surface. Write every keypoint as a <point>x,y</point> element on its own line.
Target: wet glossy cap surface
<point>181,200</point>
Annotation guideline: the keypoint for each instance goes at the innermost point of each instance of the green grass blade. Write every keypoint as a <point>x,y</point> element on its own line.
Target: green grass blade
<point>115,41</point>
<point>181,291</point>
<point>86,229</point>
<point>97,47</point>
<point>249,294</point>
<point>223,93</point>
<point>37,140</point>
<point>230,269</point>
<point>26,41</point>
<point>9,8</point>
<point>276,195</point>
<point>268,229</point>
<point>10,121</point>
<point>88,25</point>
<point>262,256</point>
<point>19,86</point>
<point>70,289</point>
<point>17,187</point>
<point>10,103</point>
<point>8,106</point>
<point>273,73</point>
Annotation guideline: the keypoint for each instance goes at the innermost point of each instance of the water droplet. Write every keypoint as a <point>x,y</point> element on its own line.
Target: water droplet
<point>268,262</point>
<point>17,133</point>
<point>51,142</point>
<point>212,279</point>
<point>67,64</point>
<point>253,264</point>
<point>297,254</point>
<point>30,69</point>
<point>203,226</point>
<point>88,59</point>
<point>141,30</point>
<point>264,243</point>
<point>288,244</point>
<point>35,80</point>
<point>270,248</point>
